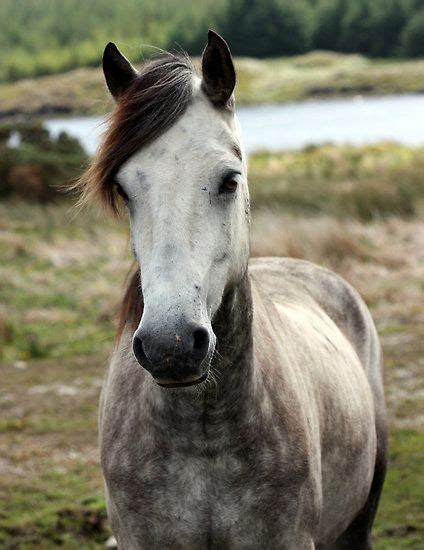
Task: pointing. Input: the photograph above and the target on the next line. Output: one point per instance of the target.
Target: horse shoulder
(281, 278)
(325, 354)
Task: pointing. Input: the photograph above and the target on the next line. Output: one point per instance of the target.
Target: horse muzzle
(175, 356)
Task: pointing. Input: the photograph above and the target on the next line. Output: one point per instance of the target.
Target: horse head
(174, 153)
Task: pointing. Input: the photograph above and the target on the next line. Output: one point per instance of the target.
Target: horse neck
(233, 329)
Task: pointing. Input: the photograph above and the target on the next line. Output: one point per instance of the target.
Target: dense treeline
(47, 36)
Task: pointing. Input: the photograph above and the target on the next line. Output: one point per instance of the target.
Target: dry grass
(394, 248)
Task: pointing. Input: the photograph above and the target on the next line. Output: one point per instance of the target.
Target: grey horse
(243, 407)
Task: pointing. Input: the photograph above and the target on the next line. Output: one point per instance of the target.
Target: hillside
(39, 37)
(312, 75)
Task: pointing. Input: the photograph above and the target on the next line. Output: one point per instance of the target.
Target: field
(61, 279)
(312, 75)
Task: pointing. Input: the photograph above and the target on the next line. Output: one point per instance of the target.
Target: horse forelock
(153, 103)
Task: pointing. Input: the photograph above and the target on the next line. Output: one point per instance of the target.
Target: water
(356, 121)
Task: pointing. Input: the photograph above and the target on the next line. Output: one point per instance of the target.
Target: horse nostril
(200, 343)
(139, 351)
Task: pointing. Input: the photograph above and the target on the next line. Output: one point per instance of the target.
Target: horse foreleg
(358, 535)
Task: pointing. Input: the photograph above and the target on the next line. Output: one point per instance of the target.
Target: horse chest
(211, 498)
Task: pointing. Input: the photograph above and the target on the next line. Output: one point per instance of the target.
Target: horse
(243, 406)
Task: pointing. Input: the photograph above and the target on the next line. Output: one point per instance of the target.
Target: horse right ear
(118, 71)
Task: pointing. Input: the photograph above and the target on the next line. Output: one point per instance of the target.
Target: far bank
(314, 75)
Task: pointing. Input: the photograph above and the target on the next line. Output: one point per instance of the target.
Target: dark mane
(152, 103)
(131, 308)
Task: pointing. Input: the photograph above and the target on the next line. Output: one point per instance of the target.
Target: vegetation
(368, 182)
(41, 37)
(311, 75)
(33, 165)
(265, 29)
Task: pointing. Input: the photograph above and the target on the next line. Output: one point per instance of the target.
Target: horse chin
(183, 384)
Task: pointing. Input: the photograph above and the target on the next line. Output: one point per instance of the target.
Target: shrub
(36, 165)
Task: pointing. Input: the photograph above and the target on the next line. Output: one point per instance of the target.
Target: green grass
(312, 75)
(52, 510)
(400, 520)
(50, 484)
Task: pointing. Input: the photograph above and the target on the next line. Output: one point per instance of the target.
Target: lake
(357, 121)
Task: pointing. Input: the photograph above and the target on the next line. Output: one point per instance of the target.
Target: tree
(413, 36)
(327, 27)
(387, 20)
(355, 28)
(263, 29)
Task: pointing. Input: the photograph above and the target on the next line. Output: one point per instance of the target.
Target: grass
(324, 74)
(312, 75)
(403, 495)
(51, 491)
(361, 182)
(57, 276)
(60, 282)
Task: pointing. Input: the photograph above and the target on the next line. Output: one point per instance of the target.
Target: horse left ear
(219, 75)
(118, 71)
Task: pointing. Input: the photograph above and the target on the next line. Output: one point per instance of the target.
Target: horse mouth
(182, 384)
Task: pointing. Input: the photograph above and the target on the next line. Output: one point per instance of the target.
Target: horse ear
(219, 75)
(118, 71)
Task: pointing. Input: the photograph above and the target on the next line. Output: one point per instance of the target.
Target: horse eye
(229, 185)
(122, 193)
